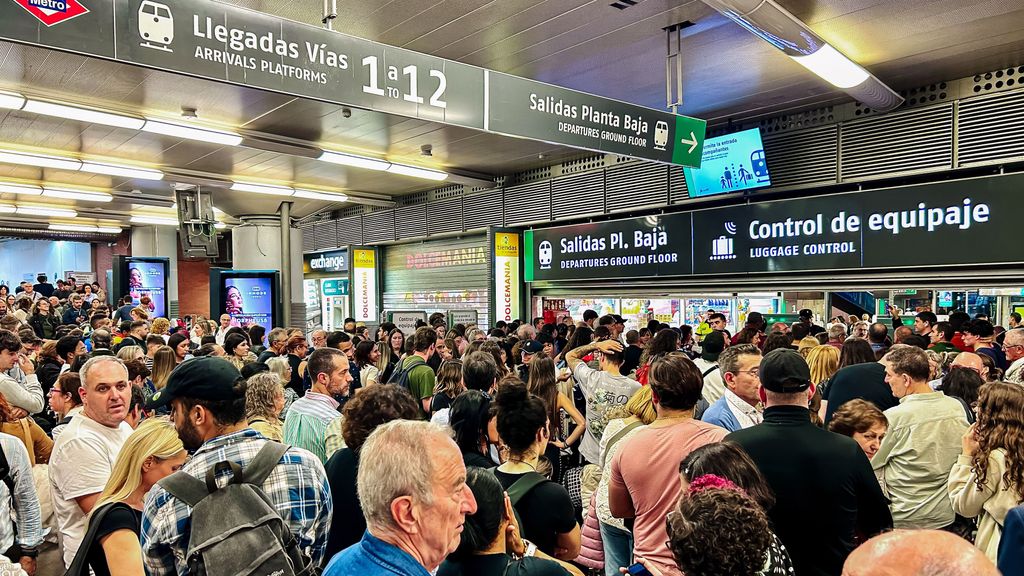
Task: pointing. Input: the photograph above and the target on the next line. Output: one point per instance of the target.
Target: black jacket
(45, 327)
(48, 371)
(825, 491)
(860, 381)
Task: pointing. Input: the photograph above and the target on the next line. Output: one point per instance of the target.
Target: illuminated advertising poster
(249, 300)
(364, 284)
(507, 276)
(148, 279)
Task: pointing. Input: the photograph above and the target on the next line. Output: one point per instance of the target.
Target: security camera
(346, 112)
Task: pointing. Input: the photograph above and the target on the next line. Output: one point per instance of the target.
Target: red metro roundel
(52, 12)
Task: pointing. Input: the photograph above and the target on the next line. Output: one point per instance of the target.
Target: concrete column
(286, 260)
(159, 241)
(256, 245)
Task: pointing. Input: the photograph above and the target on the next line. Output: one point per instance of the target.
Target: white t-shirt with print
(603, 391)
(80, 464)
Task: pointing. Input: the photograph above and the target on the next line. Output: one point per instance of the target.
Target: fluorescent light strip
(81, 228)
(44, 211)
(21, 189)
(11, 100)
(354, 161)
(262, 189)
(220, 225)
(833, 66)
(121, 170)
(83, 114)
(41, 160)
(85, 195)
(154, 220)
(7, 209)
(315, 195)
(191, 132)
(417, 172)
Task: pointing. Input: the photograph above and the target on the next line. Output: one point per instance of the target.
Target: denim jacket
(372, 556)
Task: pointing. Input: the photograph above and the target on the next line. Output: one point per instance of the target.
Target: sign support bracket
(674, 65)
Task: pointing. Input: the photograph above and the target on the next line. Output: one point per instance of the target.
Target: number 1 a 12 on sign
(404, 83)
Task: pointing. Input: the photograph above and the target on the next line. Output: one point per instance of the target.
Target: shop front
(445, 275)
(777, 257)
(326, 289)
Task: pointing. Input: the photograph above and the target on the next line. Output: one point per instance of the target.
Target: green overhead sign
(226, 43)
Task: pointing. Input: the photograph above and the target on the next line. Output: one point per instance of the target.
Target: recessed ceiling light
(83, 114)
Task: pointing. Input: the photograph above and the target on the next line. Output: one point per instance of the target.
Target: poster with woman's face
(249, 301)
(148, 279)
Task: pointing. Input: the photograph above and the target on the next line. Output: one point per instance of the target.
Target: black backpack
(400, 377)
(236, 531)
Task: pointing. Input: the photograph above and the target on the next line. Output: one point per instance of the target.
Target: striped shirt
(297, 488)
(307, 420)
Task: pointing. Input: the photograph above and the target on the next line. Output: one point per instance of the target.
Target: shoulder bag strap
(709, 371)
(523, 485)
(80, 565)
(618, 436)
(185, 487)
(264, 462)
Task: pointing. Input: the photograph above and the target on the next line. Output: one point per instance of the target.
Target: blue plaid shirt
(297, 487)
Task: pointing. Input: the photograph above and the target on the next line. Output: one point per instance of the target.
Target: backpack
(400, 376)
(235, 529)
(521, 487)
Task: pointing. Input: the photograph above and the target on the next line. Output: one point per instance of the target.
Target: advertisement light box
(730, 163)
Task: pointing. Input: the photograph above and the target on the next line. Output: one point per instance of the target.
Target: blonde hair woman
(129, 353)
(164, 361)
(160, 327)
(823, 360)
(152, 452)
(805, 346)
(264, 400)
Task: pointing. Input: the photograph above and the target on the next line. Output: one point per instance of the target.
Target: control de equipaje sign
(226, 43)
(962, 222)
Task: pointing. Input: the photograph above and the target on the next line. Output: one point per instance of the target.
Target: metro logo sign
(52, 12)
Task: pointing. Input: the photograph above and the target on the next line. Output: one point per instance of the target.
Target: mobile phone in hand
(638, 569)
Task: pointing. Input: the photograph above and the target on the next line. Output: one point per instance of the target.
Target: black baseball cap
(806, 313)
(203, 378)
(531, 347)
(785, 371)
(618, 319)
(712, 345)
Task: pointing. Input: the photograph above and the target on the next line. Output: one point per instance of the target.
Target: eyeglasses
(753, 372)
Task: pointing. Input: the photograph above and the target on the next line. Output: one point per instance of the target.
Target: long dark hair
(855, 351)
(963, 383)
(581, 337)
(730, 461)
(482, 527)
(468, 417)
(663, 342)
(543, 384)
(520, 415)
(777, 340)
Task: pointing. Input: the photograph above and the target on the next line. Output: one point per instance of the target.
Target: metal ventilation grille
(307, 238)
(483, 209)
(578, 195)
(677, 191)
(991, 128)
(802, 157)
(350, 230)
(411, 221)
(325, 235)
(444, 216)
(893, 144)
(379, 226)
(528, 203)
(636, 185)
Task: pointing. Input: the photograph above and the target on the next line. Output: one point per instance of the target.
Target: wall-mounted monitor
(248, 296)
(142, 276)
(730, 163)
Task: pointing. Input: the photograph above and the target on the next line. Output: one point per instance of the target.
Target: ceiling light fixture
(262, 189)
(45, 211)
(41, 160)
(82, 228)
(83, 195)
(417, 172)
(191, 132)
(121, 170)
(154, 220)
(24, 189)
(354, 161)
(11, 100)
(220, 225)
(316, 195)
(775, 25)
(83, 114)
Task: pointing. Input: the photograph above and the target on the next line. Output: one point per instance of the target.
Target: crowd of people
(143, 446)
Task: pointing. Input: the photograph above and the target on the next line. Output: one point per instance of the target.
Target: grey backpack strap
(264, 462)
(185, 487)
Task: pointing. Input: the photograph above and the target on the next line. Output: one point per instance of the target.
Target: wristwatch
(531, 549)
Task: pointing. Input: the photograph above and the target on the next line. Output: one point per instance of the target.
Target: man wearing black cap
(807, 318)
(825, 491)
(528, 350)
(711, 348)
(207, 399)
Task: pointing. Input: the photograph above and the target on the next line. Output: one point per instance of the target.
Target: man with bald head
(918, 553)
(971, 361)
(1013, 347)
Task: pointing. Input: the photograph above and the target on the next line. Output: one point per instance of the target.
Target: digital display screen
(249, 300)
(730, 163)
(147, 278)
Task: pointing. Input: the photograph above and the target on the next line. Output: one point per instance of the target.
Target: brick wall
(103, 256)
